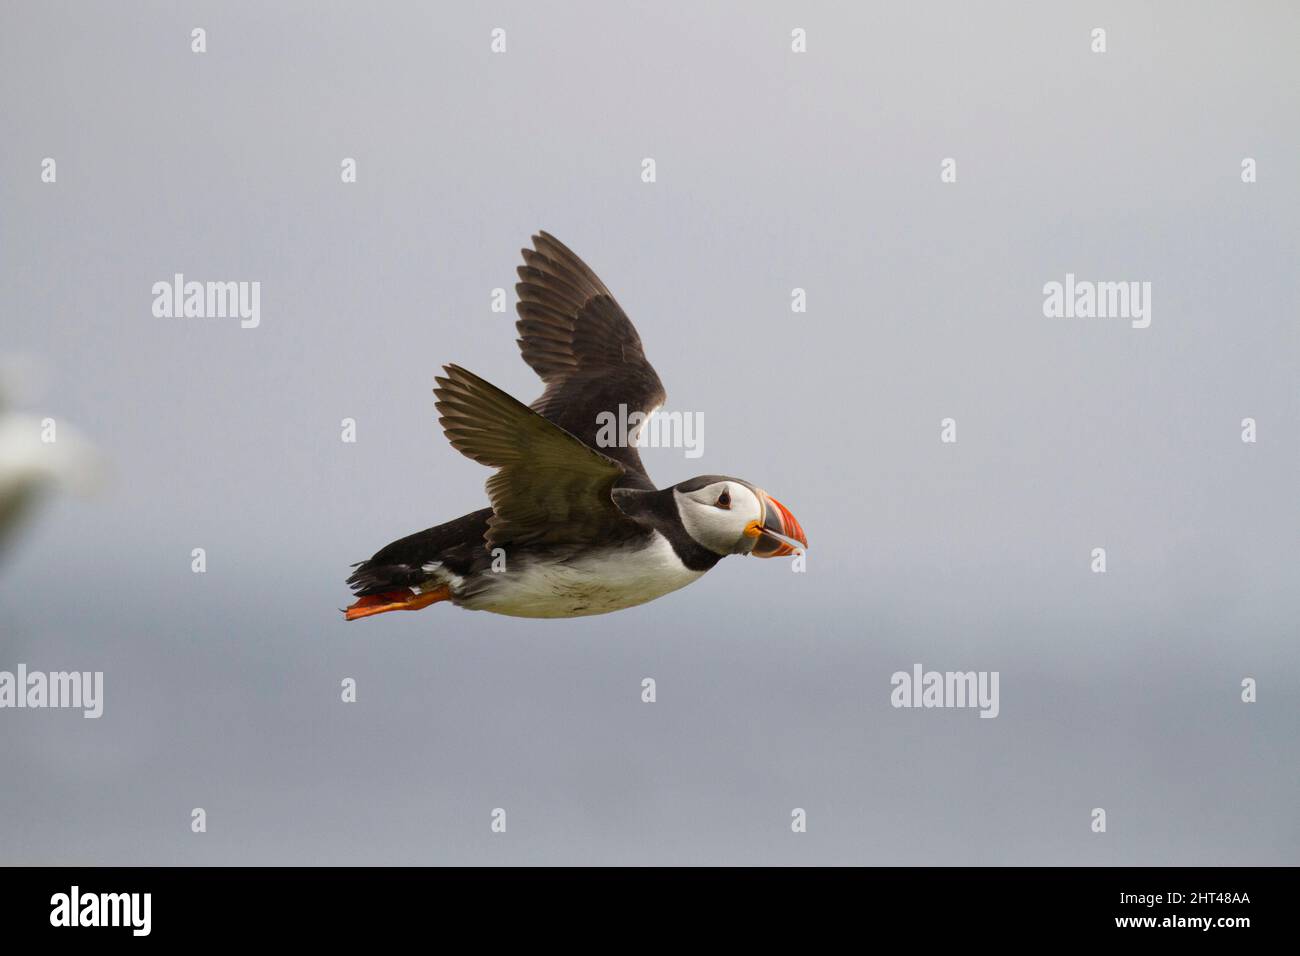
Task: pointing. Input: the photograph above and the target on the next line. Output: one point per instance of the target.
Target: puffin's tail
(413, 572)
(403, 600)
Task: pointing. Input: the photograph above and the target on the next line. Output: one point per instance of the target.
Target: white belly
(585, 585)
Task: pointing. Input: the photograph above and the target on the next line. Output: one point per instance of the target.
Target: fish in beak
(778, 533)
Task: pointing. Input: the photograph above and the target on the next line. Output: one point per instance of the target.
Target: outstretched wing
(582, 344)
(549, 488)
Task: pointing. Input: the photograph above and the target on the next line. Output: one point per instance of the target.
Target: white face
(716, 516)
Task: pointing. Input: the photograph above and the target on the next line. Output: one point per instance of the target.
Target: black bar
(204, 905)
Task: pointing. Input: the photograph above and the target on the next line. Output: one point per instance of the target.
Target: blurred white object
(31, 464)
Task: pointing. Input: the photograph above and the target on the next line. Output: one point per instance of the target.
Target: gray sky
(775, 170)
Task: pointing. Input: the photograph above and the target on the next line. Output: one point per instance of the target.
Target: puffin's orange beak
(779, 532)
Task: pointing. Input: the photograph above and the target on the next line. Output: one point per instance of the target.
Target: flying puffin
(576, 526)
(32, 463)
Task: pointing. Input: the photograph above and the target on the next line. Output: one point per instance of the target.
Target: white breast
(588, 584)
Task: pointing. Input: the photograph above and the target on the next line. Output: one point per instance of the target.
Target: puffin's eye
(724, 500)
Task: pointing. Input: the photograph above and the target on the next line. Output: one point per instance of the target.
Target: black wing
(582, 344)
(549, 488)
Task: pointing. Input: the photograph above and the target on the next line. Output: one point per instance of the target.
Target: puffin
(575, 525)
(32, 463)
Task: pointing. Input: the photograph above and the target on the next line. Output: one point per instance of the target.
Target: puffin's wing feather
(549, 487)
(582, 344)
